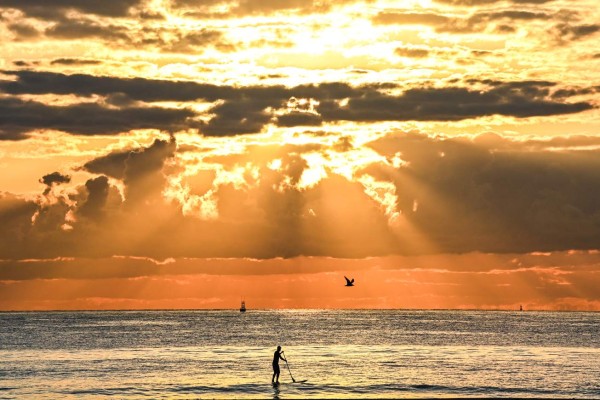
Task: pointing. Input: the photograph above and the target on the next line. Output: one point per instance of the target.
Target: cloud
(17, 117)
(489, 194)
(80, 29)
(487, 2)
(477, 22)
(410, 18)
(140, 170)
(23, 31)
(241, 8)
(515, 199)
(98, 191)
(411, 52)
(449, 104)
(15, 224)
(74, 61)
(566, 32)
(165, 39)
(55, 178)
(243, 110)
(40, 8)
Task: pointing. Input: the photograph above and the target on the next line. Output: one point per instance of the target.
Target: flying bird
(349, 282)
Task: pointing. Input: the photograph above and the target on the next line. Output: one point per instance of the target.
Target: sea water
(350, 353)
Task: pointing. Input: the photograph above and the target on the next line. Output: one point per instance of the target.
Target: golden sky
(187, 153)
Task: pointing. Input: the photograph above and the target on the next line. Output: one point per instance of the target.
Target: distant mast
(243, 306)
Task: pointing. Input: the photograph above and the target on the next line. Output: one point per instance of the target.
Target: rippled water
(226, 354)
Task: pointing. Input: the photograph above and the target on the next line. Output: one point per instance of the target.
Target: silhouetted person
(349, 282)
(276, 356)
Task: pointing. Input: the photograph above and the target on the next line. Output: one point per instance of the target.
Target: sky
(161, 154)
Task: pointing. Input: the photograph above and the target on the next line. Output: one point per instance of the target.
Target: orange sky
(186, 154)
(540, 281)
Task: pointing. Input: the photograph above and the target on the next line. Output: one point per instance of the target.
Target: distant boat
(243, 306)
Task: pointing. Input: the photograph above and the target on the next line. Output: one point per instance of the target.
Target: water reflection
(276, 392)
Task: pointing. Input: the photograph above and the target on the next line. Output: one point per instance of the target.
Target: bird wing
(348, 280)
(352, 281)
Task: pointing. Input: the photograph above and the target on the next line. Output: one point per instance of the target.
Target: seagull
(349, 282)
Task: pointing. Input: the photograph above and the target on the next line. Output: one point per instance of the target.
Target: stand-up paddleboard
(289, 383)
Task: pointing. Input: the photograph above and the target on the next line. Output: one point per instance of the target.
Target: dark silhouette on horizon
(349, 282)
(276, 356)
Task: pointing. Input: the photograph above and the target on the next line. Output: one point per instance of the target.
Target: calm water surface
(226, 354)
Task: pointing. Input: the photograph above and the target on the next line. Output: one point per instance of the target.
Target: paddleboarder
(276, 356)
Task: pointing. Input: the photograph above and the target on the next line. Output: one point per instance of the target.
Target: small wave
(127, 390)
(249, 388)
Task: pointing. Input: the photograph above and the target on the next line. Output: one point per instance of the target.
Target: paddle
(288, 367)
(290, 371)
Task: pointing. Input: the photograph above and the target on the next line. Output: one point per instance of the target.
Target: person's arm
(281, 356)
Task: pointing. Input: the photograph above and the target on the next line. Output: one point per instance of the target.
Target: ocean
(341, 354)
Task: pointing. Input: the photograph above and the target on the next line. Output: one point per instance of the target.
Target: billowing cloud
(445, 196)
(500, 199)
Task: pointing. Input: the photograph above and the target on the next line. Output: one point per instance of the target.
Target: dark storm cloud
(55, 178)
(17, 117)
(248, 109)
(55, 9)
